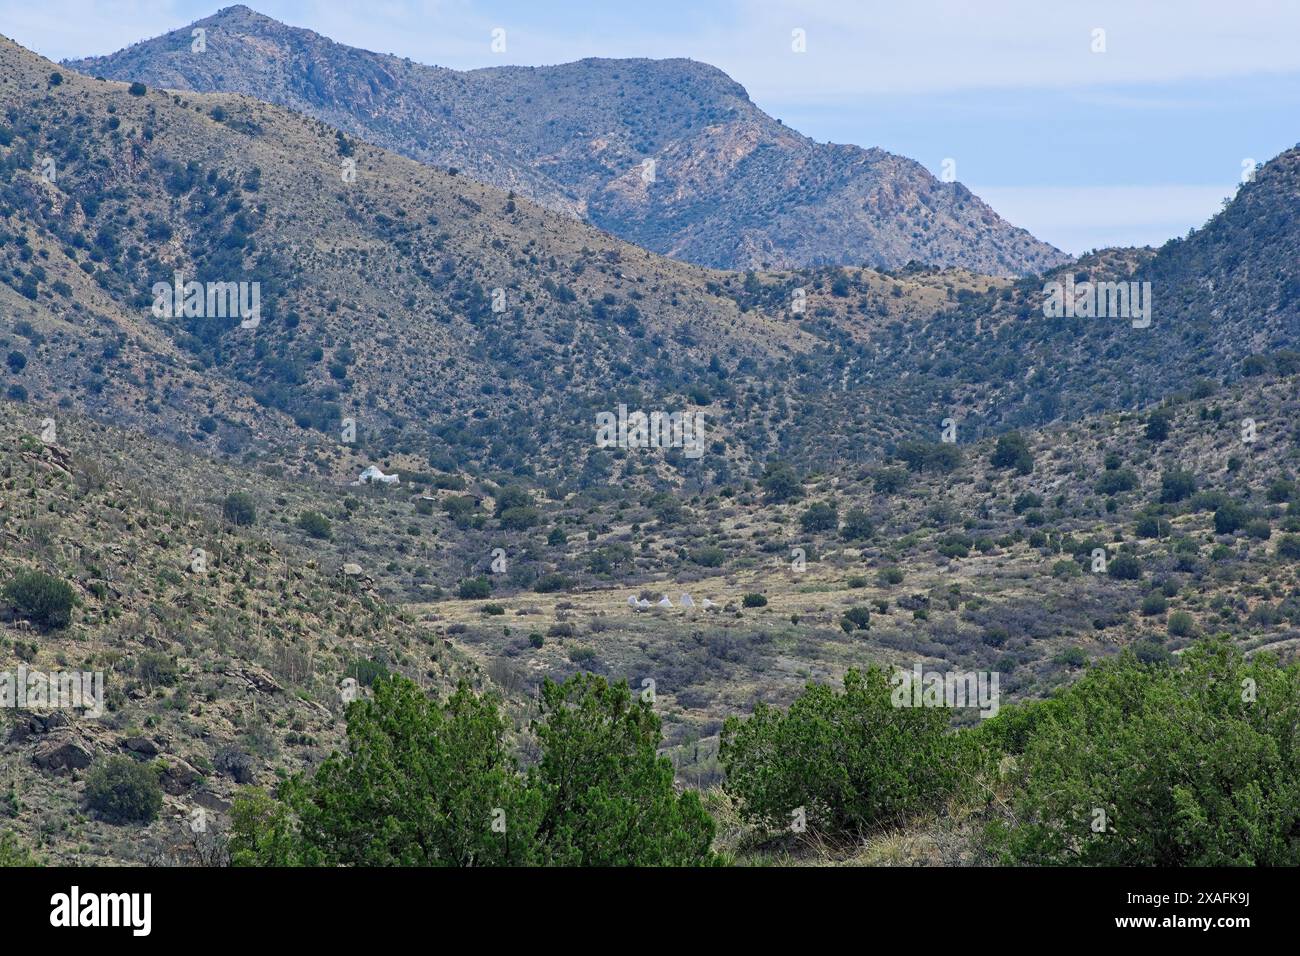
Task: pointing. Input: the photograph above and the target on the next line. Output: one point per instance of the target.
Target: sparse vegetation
(41, 598)
(122, 790)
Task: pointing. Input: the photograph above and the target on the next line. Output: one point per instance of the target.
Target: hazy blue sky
(1133, 145)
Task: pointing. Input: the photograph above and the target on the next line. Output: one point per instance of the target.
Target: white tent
(664, 602)
(707, 604)
(686, 600)
(373, 474)
(631, 600)
(643, 604)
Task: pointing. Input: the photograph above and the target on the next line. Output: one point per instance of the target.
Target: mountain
(1224, 304)
(732, 187)
(464, 329)
(453, 324)
(471, 337)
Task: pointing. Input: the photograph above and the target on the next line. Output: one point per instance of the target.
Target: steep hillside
(1225, 304)
(453, 324)
(377, 292)
(459, 327)
(977, 561)
(732, 187)
(224, 647)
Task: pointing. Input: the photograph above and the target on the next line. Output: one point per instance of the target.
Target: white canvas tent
(372, 475)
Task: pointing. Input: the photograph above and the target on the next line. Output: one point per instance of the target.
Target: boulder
(62, 754)
(35, 725)
(178, 777)
(211, 801)
(141, 745)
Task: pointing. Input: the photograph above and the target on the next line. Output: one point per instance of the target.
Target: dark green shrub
(12, 853)
(315, 524)
(1072, 657)
(858, 525)
(820, 516)
(889, 481)
(1181, 624)
(239, 509)
(41, 598)
(780, 483)
(955, 546)
(609, 796)
(520, 519)
(473, 589)
(1151, 526)
(856, 619)
(852, 760)
(550, 583)
(1125, 567)
(1117, 481)
(441, 779)
(157, 668)
(1230, 517)
(1177, 485)
(1157, 765)
(122, 790)
(890, 575)
(1012, 451)
(1026, 501)
(709, 556)
(1154, 603)
(1258, 528)
(1158, 424)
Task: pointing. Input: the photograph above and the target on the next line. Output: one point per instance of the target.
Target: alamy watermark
(212, 300)
(1099, 300)
(54, 690)
(683, 430)
(921, 688)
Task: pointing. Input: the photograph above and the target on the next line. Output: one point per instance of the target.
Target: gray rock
(61, 754)
(141, 745)
(36, 725)
(211, 801)
(178, 777)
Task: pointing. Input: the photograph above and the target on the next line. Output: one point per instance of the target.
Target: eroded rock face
(256, 678)
(178, 777)
(32, 725)
(141, 745)
(62, 754)
(211, 801)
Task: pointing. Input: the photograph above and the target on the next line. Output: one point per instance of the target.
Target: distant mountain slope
(454, 324)
(1225, 304)
(732, 187)
(464, 329)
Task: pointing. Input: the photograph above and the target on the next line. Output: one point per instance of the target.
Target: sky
(1128, 136)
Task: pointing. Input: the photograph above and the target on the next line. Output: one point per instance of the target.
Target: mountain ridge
(725, 170)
